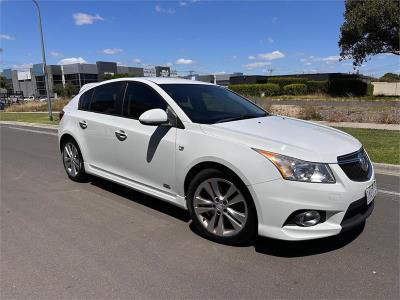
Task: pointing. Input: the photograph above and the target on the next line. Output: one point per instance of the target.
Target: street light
(46, 79)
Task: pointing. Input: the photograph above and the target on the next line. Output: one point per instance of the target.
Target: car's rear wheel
(73, 161)
(221, 207)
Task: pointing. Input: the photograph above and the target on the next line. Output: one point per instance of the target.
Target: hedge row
(300, 86)
(266, 89)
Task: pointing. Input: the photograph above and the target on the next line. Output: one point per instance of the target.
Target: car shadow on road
(306, 248)
(142, 199)
(262, 245)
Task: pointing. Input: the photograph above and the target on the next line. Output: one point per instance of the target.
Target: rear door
(98, 123)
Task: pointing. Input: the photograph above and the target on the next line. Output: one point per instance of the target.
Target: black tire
(80, 174)
(249, 227)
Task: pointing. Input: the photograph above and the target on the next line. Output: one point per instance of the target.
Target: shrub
(295, 89)
(348, 87)
(317, 86)
(282, 81)
(370, 89)
(268, 89)
(310, 113)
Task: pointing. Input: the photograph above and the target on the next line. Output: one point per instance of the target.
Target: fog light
(307, 218)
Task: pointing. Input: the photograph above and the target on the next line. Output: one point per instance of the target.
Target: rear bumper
(344, 203)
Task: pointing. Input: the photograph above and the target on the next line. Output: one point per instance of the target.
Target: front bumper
(276, 200)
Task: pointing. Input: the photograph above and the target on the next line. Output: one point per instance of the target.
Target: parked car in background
(238, 169)
(30, 98)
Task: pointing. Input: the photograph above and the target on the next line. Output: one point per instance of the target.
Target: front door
(147, 155)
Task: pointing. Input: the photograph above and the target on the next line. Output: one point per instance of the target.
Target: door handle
(83, 124)
(121, 135)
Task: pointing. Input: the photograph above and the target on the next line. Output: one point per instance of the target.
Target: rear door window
(107, 98)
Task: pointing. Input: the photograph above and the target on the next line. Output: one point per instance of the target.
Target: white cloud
(86, 19)
(270, 40)
(111, 51)
(56, 54)
(137, 60)
(257, 65)
(271, 56)
(22, 67)
(268, 56)
(183, 61)
(187, 2)
(307, 63)
(6, 37)
(161, 10)
(331, 59)
(72, 60)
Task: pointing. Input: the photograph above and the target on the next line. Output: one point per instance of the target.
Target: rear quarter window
(84, 100)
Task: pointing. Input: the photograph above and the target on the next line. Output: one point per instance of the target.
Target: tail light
(61, 114)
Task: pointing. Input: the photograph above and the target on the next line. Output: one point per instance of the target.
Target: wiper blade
(238, 118)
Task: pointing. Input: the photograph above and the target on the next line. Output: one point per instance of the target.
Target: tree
(370, 27)
(114, 76)
(59, 89)
(70, 89)
(4, 84)
(390, 77)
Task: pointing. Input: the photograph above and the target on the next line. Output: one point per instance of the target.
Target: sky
(254, 37)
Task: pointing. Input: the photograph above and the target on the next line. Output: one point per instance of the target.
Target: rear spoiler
(87, 86)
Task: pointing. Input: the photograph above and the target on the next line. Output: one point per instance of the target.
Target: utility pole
(46, 78)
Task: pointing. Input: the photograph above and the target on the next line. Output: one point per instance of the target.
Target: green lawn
(42, 118)
(383, 146)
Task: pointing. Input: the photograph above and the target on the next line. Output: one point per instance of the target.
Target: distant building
(220, 79)
(75, 74)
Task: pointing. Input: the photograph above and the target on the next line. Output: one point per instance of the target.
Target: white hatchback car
(238, 169)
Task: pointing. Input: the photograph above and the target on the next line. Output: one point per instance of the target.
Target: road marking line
(35, 131)
(389, 192)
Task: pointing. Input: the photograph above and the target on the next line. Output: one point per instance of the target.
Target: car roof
(169, 80)
(156, 80)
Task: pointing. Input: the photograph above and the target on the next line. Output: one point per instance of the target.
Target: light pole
(46, 79)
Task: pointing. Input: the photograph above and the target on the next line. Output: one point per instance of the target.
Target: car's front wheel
(221, 207)
(73, 161)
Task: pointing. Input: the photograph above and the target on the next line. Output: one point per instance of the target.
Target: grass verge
(383, 146)
(40, 118)
(35, 106)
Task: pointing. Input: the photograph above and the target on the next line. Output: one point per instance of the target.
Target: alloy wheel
(220, 207)
(71, 159)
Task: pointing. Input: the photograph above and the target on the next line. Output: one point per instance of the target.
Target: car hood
(292, 137)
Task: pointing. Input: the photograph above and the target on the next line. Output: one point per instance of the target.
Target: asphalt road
(61, 239)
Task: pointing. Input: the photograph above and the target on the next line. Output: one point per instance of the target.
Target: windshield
(209, 104)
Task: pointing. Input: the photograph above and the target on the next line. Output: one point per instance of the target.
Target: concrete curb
(385, 169)
(360, 125)
(36, 125)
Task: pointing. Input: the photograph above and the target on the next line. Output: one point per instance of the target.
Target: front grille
(356, 165)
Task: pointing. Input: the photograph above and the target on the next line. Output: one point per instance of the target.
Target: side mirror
(154, 117)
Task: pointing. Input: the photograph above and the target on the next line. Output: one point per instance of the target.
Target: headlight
(299, 170)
